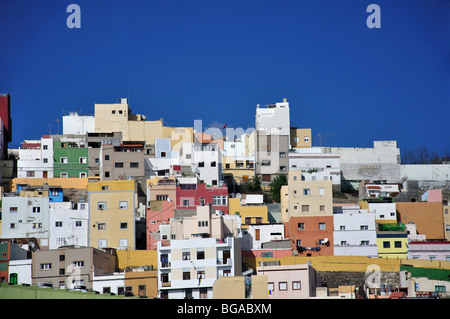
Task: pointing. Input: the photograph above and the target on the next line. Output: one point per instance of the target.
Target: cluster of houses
(121, 205)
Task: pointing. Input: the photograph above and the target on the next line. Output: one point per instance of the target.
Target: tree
(255, 184)
(275, 187)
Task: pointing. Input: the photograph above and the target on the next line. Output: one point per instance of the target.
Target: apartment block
(26, 216)
(70, 155)
(191, 193)
(36, 158)
(159, 212)
(112, 214)
(300, 138)
(311, 236)
(306, 198)
(122, 162)
(250, 208)
(68, 266)
(189, 268)
(272, 124)
(355, 232)
(162, 189)
(290, 281)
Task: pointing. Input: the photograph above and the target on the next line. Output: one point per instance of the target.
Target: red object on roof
(397, 295)
(31, 145)
(373, 187)
(177, 167)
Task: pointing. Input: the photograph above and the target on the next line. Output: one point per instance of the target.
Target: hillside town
(122, 206)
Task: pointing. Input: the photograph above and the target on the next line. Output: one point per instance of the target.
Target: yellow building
(240, 170)
(250, 208)
(112, 214)
(117, 117)
(301, 137)
(305, 198)
(392, 245)
(234, 287)
(76, 183)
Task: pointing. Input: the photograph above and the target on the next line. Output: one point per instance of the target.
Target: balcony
(166, 284)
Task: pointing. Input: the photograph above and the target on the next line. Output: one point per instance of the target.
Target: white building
(258, 234)
(78, 124)
(274, 119)
(22, 269)
(25, 217)
(36, 158)
(68, 224)
(107, 284)
(189, 268)
(354, 232)
(316, 165)
(384, 211)
(205, 160)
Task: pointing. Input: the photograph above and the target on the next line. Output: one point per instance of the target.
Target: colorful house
(70, 159)
(112, 214)
(251, 209)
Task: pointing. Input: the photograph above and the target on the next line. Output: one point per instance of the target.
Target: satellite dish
(325, 240)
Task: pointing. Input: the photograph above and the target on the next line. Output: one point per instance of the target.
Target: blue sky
(215, 60)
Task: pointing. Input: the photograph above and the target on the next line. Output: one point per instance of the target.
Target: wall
(134, 258)
(251, 212)
(428, 218)
(78, 124)
(138, 277)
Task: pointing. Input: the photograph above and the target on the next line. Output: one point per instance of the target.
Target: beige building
(117, 117)
(68, 267)
(306, 198)
(205, 223)
(121, 162)
(240, 287)
(112, 214)
(301, 137)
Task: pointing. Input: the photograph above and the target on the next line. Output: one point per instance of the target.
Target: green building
(70, 159)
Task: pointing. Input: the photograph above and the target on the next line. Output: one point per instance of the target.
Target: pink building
(158, 213)
(291, 281)
(191, 195)
(430, 250)
(432, 195)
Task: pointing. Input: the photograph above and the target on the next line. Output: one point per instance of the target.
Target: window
(305, 208)
(266, 177)
(282, 168)
(306, 139)
(386, 244)
(13, 209)
(185, 202)
(47, 266)
(282, 286)
(306, 191)
(322, 208)
(343, 243)
(321, 191)
(295, 207)
(301, 226)
(106, 174)
(134, 165)
(201, 164)
(106, 157)
(45, 147)
(322, 226)
(219, 200)
(78, 264)
(102, 243)
(123, 204)
(78, 223)
(123, 242)
(364, 227)
(62, 271)
(82, 206)
(62, 257)
(440, 288)
(162, 197)
(58, 224)
(186, 255)
(45, 160)
(364, 243)
(163, 154)
(265, 163)
(213, 164)
(36, 209)
(63, 160)
(83, 175)
(398, 244)
(296, 285)
(101, 205)
(200, 254)
(282, 154)
(63, 175)
(270, 287)
(201, 274)
(83, 160)
(118, 165)
(186, 275)
(105, 187)
(123, 225)
(299, 242)
(101, 226)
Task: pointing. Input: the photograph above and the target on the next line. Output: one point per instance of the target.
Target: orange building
(427, 216)
(311, 236)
